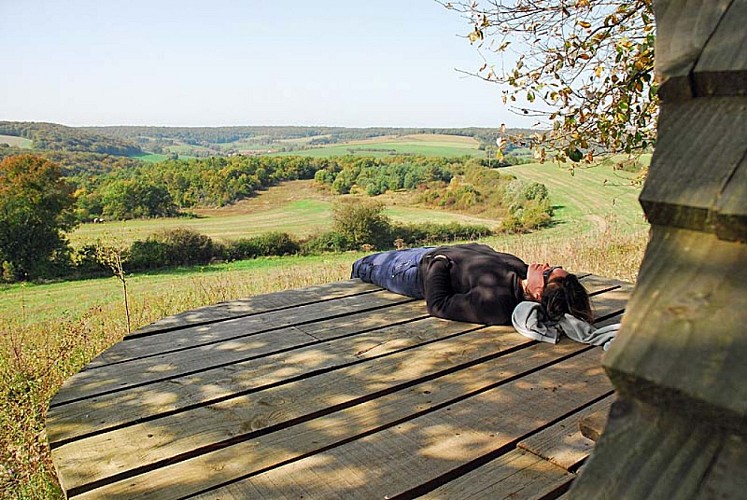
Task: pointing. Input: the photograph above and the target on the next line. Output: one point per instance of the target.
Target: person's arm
(475, 306)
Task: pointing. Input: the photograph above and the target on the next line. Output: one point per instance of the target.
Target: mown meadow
(48, 331)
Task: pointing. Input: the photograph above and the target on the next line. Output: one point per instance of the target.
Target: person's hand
(536, 281)
(443, 258)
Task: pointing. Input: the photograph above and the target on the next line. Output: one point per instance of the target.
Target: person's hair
(566, 295)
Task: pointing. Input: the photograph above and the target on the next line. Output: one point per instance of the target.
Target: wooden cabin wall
(679, 428)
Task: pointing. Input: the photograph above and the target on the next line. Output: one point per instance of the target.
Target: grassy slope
(19, 142)
(587, 197)
(294, 207)
(422, 144)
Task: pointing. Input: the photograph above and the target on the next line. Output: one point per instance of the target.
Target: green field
(422, 144)
(299, 217)
(588, 197)
(151, 157)
(18, 142)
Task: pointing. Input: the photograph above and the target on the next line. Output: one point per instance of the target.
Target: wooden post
(679, 365)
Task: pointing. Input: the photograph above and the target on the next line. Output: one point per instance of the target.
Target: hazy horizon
(355, 64)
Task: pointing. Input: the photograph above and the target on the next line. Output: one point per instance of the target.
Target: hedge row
(184, 247)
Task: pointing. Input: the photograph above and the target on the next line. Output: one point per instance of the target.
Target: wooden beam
(677, 53)
(682, 343)
(731, 222)
(696, 173)
(648, 452)
(722, 67)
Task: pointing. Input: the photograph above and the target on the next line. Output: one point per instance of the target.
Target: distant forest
(54, 137)
(325, 135)
(85, 148)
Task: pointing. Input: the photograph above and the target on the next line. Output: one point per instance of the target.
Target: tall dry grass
(37, 357)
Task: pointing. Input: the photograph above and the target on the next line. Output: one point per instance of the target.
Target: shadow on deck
(341, 390)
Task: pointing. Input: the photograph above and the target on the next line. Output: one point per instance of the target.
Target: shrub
(362, 222)
(430, 233)
(87, 262)
(274, 243)
(173, 247)
(330, 241)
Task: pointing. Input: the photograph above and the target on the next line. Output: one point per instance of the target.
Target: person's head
(563, 293)
(558, 291)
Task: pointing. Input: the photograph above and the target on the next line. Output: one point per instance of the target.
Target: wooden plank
(694, 164)
(195, 328)
(257, 304)
(592, 426)
(646, 452)
(234, 341)
(430, 449)
(266, 450)
(682, 344)
(611, 303)
(202, 375)
(517, 474)
(88, 416)
(595, 285)
(194, 336)
(722, 67)
(563, 444)
(147, 443)
(683, 27)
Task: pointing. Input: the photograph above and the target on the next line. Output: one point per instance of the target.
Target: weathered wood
(722, 67)
(592, 425)
(255, 395)
(208, 373)
(148, 443)
(683, 27)
(563, 443)
(646, 452)
(697, 167)
(172, 395)
(727, 478)
(257, 304)
(98, 379)
(291, 443)
(227, 342)
(517, 474)
(682, 343)
(429, 448)
(731, 222)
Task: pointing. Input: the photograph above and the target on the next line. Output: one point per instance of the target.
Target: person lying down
(474, 283)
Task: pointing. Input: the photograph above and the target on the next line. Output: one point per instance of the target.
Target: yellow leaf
(599, 71)
(584, 24)
(475, 35)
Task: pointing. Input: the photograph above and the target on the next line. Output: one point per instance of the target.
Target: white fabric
(529, 321)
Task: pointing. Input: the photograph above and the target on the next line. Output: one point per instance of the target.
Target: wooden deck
(336, 391)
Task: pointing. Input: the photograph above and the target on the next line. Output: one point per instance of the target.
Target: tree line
(38, 204)
(206, 136)
(55, 137)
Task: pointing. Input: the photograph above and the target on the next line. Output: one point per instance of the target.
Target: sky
(348, 63)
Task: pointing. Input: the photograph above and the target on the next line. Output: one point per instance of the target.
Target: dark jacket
(474, 283)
